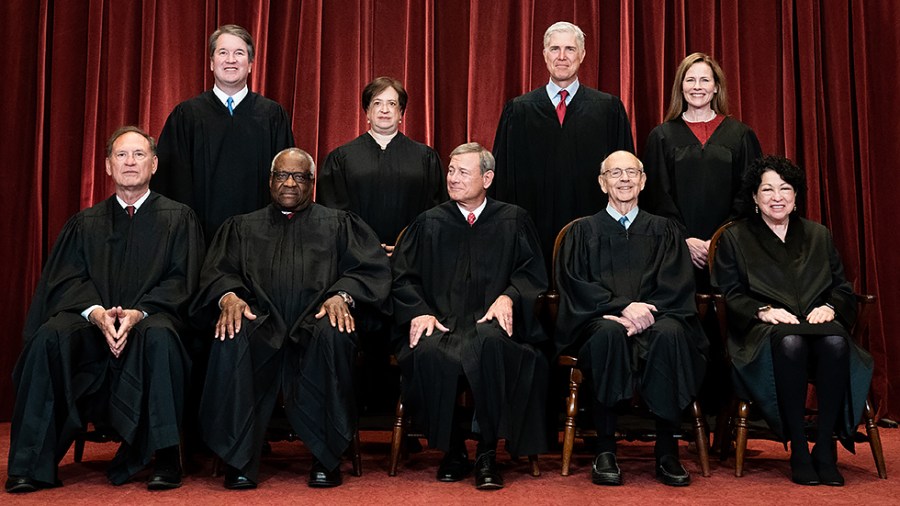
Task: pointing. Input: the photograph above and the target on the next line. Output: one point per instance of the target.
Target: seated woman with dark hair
(789, 311)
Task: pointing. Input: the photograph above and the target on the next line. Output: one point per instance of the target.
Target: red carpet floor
(283, 480)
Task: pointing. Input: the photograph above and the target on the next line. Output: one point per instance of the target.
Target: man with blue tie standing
(215, 149)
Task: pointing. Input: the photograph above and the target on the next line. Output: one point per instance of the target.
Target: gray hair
(304, 154)
(485, 157)
(565, 26)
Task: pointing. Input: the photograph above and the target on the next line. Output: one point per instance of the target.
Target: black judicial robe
(696, 184)
(216, 163)
(551, 170)
(66, 375)
(285, 269)
(444, 267)
(386, 188)
(753, 268)
(601, 269)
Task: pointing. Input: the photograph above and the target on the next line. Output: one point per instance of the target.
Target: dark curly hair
(786, 169)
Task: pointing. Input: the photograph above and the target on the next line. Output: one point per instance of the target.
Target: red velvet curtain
(816, 80)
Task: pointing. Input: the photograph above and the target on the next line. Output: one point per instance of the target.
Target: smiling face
(131, 163)
(289, 195)
(622, 190)
(466, 185)
(384, 112)
(775, 198)
(563, 57)
(230, 63)
(699, 86)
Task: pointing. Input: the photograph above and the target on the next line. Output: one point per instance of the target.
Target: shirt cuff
(223, 296)
(86, 314)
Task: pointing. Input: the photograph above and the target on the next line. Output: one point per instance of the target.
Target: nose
(290, 182)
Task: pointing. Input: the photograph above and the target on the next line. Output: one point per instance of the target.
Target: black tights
(791, 356)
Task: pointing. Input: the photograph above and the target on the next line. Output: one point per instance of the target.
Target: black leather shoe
(24, 485)
(235, 480)
(165, 478)
(166, 470)
(487, 477)
(320, 477)
(605, 470)
(454, 467)
(669, 471)
(828, 474)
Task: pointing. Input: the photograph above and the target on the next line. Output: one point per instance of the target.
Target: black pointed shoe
(319, 477)
(487, 477)
(669, 471)
(605, 470)
(236, 480)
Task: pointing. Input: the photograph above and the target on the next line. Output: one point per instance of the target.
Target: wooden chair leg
(875, 441)
(571, 413)
(701, 437)
(397, 436)
(535, 468)
(357, 457)
(740, 433)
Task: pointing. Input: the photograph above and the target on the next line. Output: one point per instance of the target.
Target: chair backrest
(547, 306)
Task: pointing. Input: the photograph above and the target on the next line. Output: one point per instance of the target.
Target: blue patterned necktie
(622, 221)
(230, 103)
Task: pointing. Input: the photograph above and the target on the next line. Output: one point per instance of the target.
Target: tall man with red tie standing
(551, 140)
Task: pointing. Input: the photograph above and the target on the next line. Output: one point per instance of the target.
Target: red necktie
(471, 219)
(130, 210)
(561, 107)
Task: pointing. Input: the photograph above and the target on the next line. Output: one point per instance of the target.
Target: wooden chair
(571, 431)
(738, 426)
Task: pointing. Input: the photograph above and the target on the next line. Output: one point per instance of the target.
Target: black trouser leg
(605, 423)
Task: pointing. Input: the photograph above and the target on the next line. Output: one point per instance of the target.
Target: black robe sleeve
(174, 176)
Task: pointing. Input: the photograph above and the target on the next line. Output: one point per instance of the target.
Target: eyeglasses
(617, 173)
(299, 177)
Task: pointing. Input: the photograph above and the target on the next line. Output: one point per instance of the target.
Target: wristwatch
(347, 298)
(763, 309)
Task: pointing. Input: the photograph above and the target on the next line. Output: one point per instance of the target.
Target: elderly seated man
(467, 274)
(282, 284)
(627, 311)
(103, 335)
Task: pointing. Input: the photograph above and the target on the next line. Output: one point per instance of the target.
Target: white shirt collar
(137, 204)
(553, 90)
(383, 140)
(223, 97)
(477, 210)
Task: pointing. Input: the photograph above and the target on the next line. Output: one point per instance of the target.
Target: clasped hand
(636, 317)
(108, 319)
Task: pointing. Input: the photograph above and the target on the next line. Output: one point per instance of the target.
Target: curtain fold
(816, 81)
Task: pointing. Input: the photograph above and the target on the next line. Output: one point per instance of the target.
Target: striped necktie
(230, 103)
